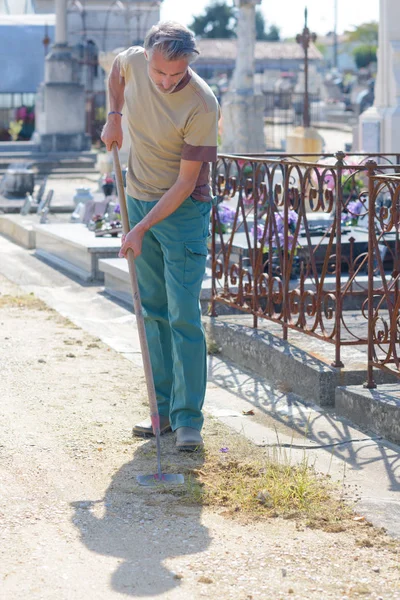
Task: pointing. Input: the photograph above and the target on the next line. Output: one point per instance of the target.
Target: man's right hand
(112, 132)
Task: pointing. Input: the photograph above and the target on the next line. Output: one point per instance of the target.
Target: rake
(159, 477)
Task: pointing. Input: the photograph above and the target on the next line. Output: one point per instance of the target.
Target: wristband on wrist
(114, 112)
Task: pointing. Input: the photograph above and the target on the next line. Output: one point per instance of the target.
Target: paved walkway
(332, 444)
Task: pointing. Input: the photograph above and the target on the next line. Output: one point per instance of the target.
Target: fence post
(371, 166)
(213, 312)
(255, 259)
(286, 275)
(338, 287)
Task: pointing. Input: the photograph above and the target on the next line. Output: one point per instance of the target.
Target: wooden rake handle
(135, 289)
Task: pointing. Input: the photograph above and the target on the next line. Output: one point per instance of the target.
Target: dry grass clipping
(28, 301)
(244, 481)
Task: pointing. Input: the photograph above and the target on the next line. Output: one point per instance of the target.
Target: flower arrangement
(352, 182)
(96, 222)
(226, 217)
(277, 243)
(354, 209)
(24, 124)
(278, 232)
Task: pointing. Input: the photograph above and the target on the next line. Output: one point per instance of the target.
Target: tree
(367, 33)
(272, 35)
(364, 55)
(218, 21)
(366, 38)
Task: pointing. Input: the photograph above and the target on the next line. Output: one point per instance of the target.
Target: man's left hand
(132, 240)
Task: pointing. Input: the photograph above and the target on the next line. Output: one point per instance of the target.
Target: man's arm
(168, 203)
(112, 130)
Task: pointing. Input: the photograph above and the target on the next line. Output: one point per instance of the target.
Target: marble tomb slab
(74, 249)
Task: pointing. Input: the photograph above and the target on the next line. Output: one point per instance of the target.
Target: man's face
(165, 74)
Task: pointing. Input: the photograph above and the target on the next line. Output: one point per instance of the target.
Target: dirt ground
(75, 525)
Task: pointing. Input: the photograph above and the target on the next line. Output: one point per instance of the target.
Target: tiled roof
(213, 49)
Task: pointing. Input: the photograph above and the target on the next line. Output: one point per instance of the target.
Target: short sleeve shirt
(165, 128)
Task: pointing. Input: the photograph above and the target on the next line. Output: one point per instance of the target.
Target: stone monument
(379, 126)
(60, 106)
(242, 109)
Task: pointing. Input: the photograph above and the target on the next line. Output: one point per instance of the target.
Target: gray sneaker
(188, 439)
(144, 428)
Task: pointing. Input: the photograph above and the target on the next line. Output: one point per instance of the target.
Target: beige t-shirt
(164, 128)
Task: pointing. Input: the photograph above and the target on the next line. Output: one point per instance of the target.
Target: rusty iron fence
(383, 308)
(307, 244)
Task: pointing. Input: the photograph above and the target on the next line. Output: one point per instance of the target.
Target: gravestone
(379, 126)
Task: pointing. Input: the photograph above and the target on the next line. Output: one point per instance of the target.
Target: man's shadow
(145, 526)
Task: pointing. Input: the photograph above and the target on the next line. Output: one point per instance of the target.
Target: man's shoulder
(131, 55)
(203, 91)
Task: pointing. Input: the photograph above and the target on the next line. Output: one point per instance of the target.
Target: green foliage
(219, 21)
(322, 48)
(351, 186)
(272, 35)
(364, 55)
(367, 33)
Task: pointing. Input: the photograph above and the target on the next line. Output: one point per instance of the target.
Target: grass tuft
(243, 480)
(28, 301)
(212, 347)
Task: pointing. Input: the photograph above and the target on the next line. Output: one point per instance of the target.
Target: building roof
(214, 49)
(329, 40)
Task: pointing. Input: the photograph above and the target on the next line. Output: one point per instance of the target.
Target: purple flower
(117, 209)
(355, 208)
(260, 231)
(224, 450)
(279, 223)
(226, 214)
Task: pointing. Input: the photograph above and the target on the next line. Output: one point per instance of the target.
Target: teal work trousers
(170, 272)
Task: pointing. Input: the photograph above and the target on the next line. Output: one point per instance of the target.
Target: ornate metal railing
(383, 309)
(291, 242)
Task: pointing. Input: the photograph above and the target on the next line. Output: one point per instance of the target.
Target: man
(173, 122)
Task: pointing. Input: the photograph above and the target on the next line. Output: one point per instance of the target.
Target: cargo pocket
(195, 264)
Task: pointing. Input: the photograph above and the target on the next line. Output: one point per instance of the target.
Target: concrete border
(283, 362)
(19, 230)
(75, 249)
(377, 410)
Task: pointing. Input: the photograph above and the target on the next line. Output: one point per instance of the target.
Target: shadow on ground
(315, 426)
(142, 527)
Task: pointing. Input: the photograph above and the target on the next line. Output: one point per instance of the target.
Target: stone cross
(304, 39)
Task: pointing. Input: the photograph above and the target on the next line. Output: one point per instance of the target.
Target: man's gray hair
(173, 40)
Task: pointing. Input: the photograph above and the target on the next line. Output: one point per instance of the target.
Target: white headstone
(380, 125)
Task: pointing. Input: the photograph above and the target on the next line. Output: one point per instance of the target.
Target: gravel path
(73, 522)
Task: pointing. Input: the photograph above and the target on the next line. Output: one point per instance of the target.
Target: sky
(288, 15)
